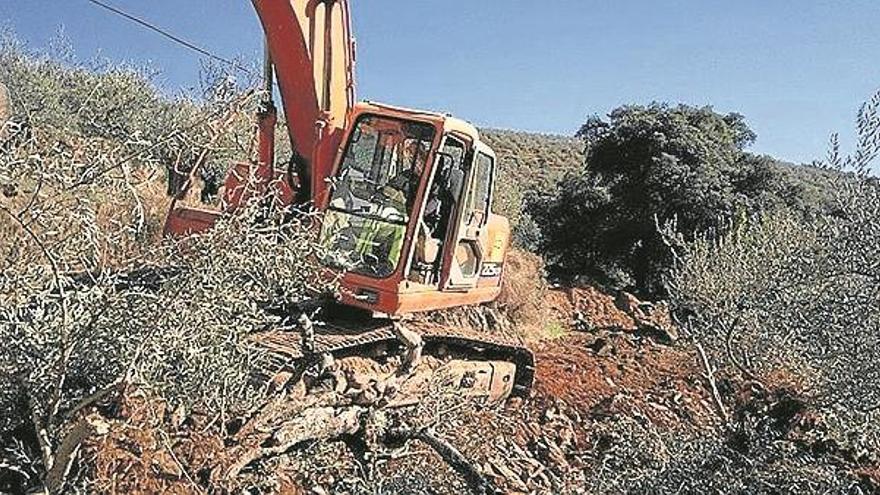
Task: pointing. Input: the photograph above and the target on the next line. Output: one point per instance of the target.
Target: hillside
(529, 162)
(535, 156)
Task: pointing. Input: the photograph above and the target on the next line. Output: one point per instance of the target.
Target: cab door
(464, 252)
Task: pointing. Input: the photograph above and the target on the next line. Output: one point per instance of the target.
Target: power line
(170, 36)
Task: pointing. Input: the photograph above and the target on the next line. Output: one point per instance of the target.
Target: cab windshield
(373, 193)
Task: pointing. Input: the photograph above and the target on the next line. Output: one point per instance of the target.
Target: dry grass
(523, 291)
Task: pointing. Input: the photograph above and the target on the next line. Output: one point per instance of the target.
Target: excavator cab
(406, 195)
(408, 213)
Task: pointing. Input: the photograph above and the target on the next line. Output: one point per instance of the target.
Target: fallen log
(333, 410)
(315, 423)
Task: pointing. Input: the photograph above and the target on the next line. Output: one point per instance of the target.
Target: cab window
(373, 193)
(478, 200)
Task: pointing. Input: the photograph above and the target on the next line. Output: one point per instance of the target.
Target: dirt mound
(591, 310)
(597, 375)
(146, 450)
(588, 308)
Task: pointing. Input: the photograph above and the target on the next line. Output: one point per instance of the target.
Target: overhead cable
(169, 35)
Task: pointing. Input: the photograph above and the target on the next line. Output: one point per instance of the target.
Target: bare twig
(42, 436)
(167, 444)
(709, 374)
(728, 343)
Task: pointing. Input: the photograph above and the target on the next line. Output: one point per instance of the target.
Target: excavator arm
(309, 44)
(310, 51)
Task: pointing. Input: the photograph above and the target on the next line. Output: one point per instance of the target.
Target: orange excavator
(404, 200)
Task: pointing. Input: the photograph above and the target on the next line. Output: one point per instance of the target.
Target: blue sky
(797, 69)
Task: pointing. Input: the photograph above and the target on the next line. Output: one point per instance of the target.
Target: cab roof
(448, 122)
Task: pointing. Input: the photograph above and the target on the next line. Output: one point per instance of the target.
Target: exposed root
(315, 423)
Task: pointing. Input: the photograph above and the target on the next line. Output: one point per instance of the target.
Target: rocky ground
(598, 361)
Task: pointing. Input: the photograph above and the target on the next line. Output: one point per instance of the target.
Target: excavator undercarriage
(474, 362)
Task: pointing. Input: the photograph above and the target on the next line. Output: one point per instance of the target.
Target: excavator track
(287, 349)
(358, 335)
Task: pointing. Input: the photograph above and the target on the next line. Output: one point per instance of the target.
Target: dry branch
(709, 374)
(4, 106)
(315, 423)
(66, 453)
(452, 456)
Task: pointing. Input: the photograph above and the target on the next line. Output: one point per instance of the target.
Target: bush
(648, 165)
(789, 308)
(784, 296)
(90, 299)
(523, 290)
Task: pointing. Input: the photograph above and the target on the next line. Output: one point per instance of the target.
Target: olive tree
(782, 302)
(91, 299)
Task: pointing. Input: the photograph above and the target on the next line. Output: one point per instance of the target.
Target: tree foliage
(787, 302)
(119, 105)
(646, 165)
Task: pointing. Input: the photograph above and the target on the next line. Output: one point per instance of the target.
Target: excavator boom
(310, 45)
(409, 213)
